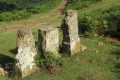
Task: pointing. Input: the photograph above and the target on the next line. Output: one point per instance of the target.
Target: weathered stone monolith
(26, 52)
(49, 39)
(71, 40)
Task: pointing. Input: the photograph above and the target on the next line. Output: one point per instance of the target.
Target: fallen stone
(49, 39)
(26, 52)
(83, 48)
(3, 72)
(71, 40)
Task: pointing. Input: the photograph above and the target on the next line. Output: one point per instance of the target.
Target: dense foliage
(46, 59)
(17, 10)
(79, 4)
(101, 22)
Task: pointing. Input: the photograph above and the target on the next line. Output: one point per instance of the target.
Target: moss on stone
(28, 71)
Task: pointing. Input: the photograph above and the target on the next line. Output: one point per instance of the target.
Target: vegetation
(9, 12)
(95, 63)
(99, 21)
(89, 64)
(46, 59)
(79, 4)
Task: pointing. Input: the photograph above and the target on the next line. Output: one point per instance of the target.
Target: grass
(90, 65)
(104, 65)
(101, 5)
(36, 18)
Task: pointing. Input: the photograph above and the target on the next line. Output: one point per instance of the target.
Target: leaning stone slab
(71, 40)
(26, 52)
(49, 39)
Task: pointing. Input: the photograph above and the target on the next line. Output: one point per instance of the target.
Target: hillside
(95, 63)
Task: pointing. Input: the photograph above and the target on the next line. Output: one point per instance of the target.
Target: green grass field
(87, 65)
(90, 65)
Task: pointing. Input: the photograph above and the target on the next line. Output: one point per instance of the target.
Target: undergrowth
(79, 4)
(9, 12)
(101, 22)
(47, 58)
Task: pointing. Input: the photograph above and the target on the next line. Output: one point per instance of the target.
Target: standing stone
(71, 40)
(26, 52)
(49, 39)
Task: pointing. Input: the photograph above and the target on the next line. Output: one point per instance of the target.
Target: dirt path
(58, 10)
(55, 13)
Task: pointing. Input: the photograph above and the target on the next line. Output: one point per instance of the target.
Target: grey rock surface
(49, 39)
(71, 40)
(26, 52)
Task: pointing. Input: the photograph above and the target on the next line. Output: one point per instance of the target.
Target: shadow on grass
(14, 51)
(5, 59)
(117, 52)
(118, 66)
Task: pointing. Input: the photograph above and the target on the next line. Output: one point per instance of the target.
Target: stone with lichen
(71, 40)
(49, 39)
(26, 52)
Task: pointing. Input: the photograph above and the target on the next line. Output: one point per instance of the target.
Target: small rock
(2, 72)
(83, 48)
(96, 51)
(100, 43)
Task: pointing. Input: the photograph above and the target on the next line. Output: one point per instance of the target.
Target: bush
(101, 22)
(42, 7)
(14, 15)
(23, 14)
(46, 58)
(6, 16)
(78, 4)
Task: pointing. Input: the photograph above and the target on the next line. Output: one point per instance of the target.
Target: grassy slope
(88, 64)
(102, 5)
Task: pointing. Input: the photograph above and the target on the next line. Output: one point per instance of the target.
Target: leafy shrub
(42, 7)
(6, 16)
(78, 4)
(22, 14)
(16, 12)
(46, 58)
(101, 22)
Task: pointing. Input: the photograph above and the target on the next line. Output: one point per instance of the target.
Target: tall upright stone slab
(71, 40)
(26, 52)
(49, 39)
